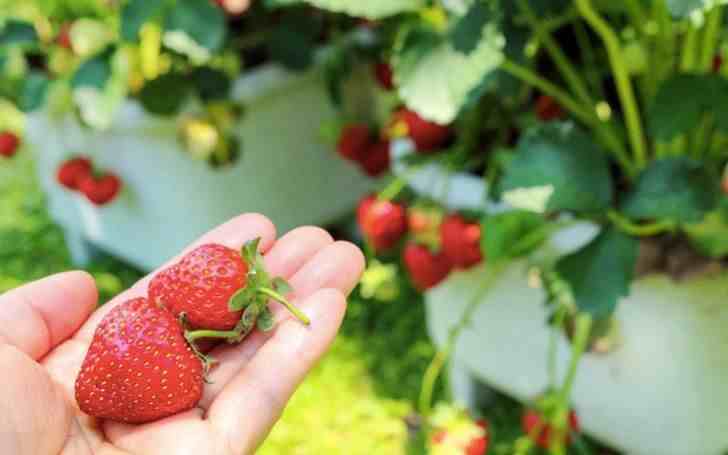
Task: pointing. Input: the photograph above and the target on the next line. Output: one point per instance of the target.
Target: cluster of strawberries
(78, 174)
(9, 143)
(144, 364)
(358, 142)
(436, 246)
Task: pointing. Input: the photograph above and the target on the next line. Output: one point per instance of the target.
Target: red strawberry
(547, 109)
(139, 368)
(383, 74)
(220, 289)
(354, 141)
(9, 143)
(534, 426)
(426, 269)
(383, 223)
(64, 36)
(376, 160)
(100, 190)
(464, 442)
(72, 171)
(428, 136)
(460, 241)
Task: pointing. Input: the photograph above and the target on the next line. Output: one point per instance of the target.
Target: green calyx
(252, 300)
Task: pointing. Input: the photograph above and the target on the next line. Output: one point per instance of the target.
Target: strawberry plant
(561, 112)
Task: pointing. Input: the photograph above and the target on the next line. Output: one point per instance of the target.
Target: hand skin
(46, 328)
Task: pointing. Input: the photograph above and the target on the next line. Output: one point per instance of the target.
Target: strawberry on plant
(9, 143)
(139, 368)
(535, 426)
(460, 241)
(354, 141)
(64, 36)
(547, 109)
(424, 223)
(383, 74)
(383, 223)
(71, 172)
(220, 292)
(426, 269)
(455, 432)
(428, 136)
(100, 190)
(375, 161)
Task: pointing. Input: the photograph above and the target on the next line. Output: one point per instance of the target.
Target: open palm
(46, 328)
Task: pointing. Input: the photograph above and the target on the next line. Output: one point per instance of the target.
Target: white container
(663, 391)
(285, 171)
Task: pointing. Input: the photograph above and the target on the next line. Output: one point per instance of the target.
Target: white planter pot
(285, 171)
(663, 391)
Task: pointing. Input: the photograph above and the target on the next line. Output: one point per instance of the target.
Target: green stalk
(438, 362)
(578, 346)
(640, 230)
(589, 57)
(687, 61)
(621, 75)
(562, 62)
(289, 306)
(710, 38)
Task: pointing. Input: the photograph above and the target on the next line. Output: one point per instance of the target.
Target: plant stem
(640, 230)
(438, 362)
(621, 75)
(581, 339)
(289, 306)
(589, 58)
(562, 62)
(687, 62)
(194, 335)
(710, 38)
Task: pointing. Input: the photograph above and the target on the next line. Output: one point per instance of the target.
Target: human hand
(46, 328)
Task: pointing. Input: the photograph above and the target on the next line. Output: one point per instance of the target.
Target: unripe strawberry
(383, 223)
(426, 269)
(460, 241)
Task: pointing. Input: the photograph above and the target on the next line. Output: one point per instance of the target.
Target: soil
(673, 256)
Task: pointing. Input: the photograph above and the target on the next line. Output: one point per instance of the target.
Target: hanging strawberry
(72, 171)
(102, 189)
(426, 269)
(9, 143)
(547, 109)
(428, 136)
(460, 241)
(383, 223)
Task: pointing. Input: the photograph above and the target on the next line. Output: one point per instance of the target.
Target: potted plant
(571, 229)
(179, 115)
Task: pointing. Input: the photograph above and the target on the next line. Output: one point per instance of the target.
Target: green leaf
(242, 299)
(601, 273)
(136, 13)
(371, 9)
(265, 321)
(423, 64)
(563, 159)
(682, 8)
(17, 32)
(467, 32)
(677, 189)
(200, 20)
(512, 234)
(679, 104)
(211, 84)
(94, 72)
(33, 91)
(710, 236)
(166, 94)
(293, 41)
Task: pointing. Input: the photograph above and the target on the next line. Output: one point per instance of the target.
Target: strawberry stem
(193, 335)
(289, 306)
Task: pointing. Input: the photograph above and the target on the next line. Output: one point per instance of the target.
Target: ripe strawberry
(71, 172)
(64, 36)
(9, 143)
(354, 142)
(460, 242)
(383, 223)
(428, 136)
(534, 426)
(220, 291)
(547, 109)
(426, 269)
(383, 74)
(139, 368)
(375, 162)
(100, 190)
